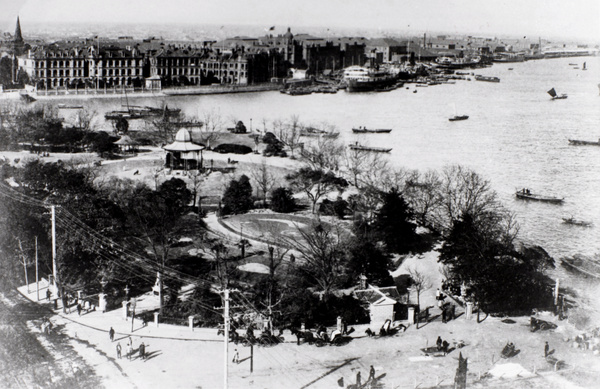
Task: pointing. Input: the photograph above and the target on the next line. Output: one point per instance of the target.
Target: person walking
(79, 309)
(438, 343)
(48, 294)
(371, 373)
(142, 351)
(118, 350)
(111, 334)
(358, 380)
(444, 319)
(236, 357)
(546, 350)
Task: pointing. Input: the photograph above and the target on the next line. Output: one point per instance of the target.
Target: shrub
(226, 148)
(282, 200)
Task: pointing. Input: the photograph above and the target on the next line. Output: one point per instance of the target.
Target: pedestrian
(546, 349)
(358, 380)
(111, 334)
(443, 315)
(437, 294)
(129, 341)
(79, 309)
(142, 351)
(48, 294)
(129, 352)
(371, 373)
(236, 357)
(445, 345)
(118, 350)
(438, 343)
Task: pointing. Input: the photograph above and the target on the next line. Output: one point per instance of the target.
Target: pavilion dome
(183, 135)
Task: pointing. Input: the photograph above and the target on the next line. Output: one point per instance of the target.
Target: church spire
(18, 36)
(18, 43)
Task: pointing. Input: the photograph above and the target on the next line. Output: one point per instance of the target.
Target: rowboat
(576, 222)
(576, 142)
(486, 78)
(363, 130)
(525, 194)
(458, 117)
(357, 146)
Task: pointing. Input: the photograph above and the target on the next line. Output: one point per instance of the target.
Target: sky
(533, 18)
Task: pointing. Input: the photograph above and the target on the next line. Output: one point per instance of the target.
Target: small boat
(357, 146)
(576, 142)
(525, 194)
(572, 64)
(510, 68)
(458, 117)
(555, 96)
(315, 132)
(582, 265)
(363, 130)
(486, 78)
(65, 106)
(571, 220)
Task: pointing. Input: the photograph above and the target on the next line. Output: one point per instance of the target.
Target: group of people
(442, 345)
(129, 351)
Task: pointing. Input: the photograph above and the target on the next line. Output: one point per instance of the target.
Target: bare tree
(423, 194)
(322, 251)
(360, 165)
(289, 132)
(324, 154)
(463, 192)
(85, 118)
(264, 179)
(420, 283)
(213, 123)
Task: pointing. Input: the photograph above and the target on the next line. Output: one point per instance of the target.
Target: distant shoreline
(177, 91)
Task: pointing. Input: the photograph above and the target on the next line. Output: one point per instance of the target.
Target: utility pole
(37, 283)
(226, 329)
(54, 275)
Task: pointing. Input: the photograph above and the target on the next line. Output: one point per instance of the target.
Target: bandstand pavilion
(183, 154)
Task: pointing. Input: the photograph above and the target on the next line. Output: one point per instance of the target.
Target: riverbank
(115, 92)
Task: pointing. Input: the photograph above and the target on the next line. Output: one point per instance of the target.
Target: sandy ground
(182, 358)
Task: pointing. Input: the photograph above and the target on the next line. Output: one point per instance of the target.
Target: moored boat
(479, 77)
(357, 146)
(458, 117)
(525, 194)
(65, 106)
(363, 130)
(582, 265)
(576, 222)
(576, 142)
(362, 79)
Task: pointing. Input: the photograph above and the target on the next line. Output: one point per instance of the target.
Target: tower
(18, 43)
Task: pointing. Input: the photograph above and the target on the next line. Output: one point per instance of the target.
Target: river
(515, 135)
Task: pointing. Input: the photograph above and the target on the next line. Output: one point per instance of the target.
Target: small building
(127, 145)
(183, 154)
(153, 83)
(383, 303)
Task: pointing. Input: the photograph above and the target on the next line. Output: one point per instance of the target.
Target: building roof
(375, 295)
(125, 140)
(183, 142)
(384, 42)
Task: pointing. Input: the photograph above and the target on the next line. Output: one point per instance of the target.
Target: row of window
(81, 63)
(204, 65)
(196, 72)
(80, 73)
